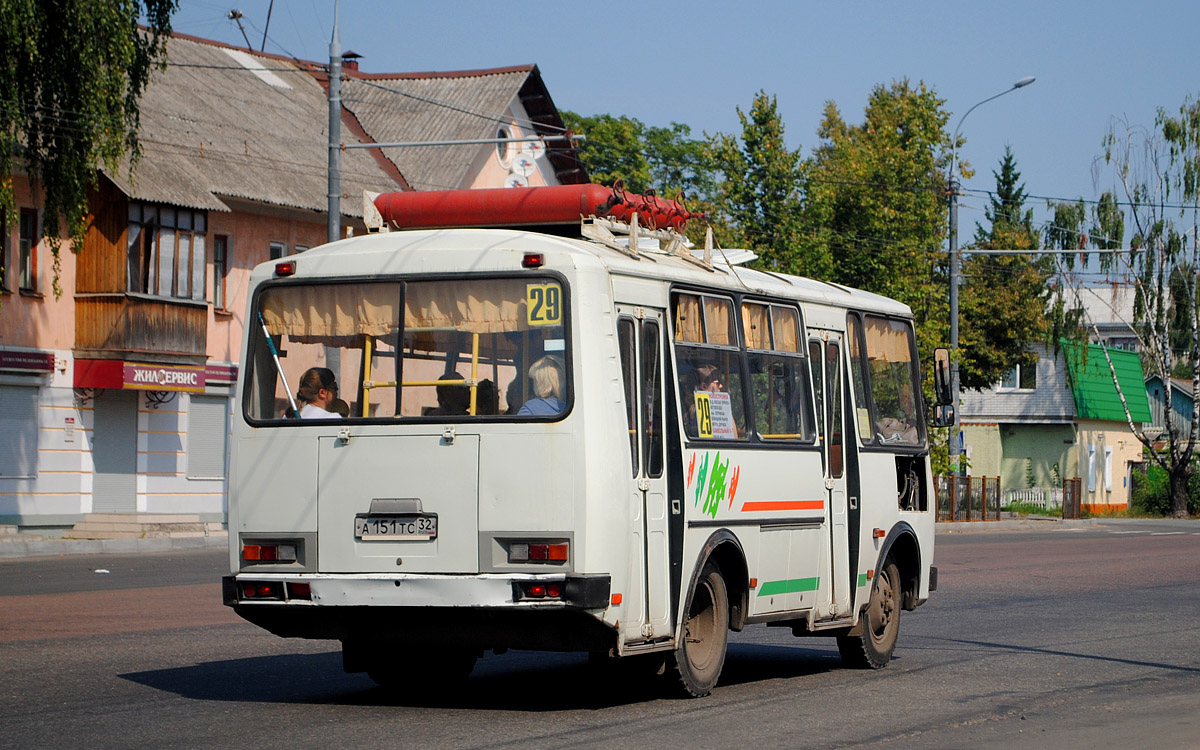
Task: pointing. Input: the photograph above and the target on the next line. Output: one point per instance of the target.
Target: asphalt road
(1062, 637)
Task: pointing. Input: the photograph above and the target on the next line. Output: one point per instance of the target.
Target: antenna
(236, 15)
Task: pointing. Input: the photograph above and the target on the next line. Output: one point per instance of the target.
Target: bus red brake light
(539, 552)
(285, 268)
(262, 590)
(533, 260)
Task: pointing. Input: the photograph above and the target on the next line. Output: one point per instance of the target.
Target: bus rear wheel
(879, 623)
(701, 653)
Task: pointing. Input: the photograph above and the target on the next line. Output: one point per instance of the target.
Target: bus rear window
(426, 350)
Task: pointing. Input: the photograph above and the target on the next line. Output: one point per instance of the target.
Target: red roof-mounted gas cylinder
(507, 207)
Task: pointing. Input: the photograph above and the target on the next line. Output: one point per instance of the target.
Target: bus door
(828, 384)
(642, 346)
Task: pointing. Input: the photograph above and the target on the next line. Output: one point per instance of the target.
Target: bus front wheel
(701, 653)
(879, 624)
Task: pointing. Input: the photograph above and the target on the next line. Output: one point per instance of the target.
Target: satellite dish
(536, 149)
(516, 181)
(523, 165)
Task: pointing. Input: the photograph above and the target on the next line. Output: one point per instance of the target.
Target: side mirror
(941, 378)
(943, 415)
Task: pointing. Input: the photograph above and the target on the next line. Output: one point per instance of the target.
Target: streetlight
(956, 443)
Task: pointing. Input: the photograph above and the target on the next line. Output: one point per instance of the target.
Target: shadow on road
(525, 681)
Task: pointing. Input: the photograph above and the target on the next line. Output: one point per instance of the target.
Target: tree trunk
(1179, 476)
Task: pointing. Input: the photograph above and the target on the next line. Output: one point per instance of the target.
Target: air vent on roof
(252, 64)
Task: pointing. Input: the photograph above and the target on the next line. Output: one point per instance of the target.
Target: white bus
(569, 444)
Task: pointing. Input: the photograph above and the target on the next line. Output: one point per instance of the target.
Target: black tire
(701, 653)
(438, 672)
(879, 624)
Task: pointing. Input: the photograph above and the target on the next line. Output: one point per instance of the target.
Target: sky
(1096, 64)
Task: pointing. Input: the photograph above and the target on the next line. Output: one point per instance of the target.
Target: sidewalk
(14, 547)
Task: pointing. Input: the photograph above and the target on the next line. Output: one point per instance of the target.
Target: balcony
(117, 325)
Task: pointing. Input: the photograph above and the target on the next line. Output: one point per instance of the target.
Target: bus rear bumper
(575, 591)
(486, 611)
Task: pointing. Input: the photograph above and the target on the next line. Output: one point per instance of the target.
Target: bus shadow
(525, 681)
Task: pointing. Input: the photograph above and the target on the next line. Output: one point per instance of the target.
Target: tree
(76, 70)
(1158, 174)
(758, 198)
(1004, 297)
(644, 157)
(874, 199)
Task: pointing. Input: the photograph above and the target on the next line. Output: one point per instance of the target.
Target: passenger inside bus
(452, 399)
(340, 407)
(485, 398)
(546, 374)
(317, 391)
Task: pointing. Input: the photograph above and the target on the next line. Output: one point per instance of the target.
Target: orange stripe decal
(784, 505)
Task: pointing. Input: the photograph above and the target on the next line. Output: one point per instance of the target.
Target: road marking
(1166, 533)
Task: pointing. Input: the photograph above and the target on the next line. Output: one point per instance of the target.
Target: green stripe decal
(862, 579)
(771, 588)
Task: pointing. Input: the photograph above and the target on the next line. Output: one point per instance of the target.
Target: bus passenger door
(648, 601)
(826, 360)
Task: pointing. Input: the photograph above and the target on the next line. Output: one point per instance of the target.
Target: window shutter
(206, 437)
(18, 431)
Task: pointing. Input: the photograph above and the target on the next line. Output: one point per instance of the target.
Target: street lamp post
(956, 443)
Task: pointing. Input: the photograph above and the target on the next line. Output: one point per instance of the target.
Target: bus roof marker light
(533, 260)
(285, 268)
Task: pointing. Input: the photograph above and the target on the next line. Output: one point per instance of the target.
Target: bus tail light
(540, 590)
(269, 553)
(262, 590)
(539, 552)
(299, 590)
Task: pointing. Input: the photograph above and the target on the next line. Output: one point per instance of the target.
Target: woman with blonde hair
(547, 377)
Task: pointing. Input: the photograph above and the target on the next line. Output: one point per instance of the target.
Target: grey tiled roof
(212, 128)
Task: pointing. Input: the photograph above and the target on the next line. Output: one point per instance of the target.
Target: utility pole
(335, 131)
(956, 443)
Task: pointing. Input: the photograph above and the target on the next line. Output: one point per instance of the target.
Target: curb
(1013, 524)
(57, 547)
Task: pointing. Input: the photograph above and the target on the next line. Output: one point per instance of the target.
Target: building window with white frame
(220, 270)
(1020, 378)
(278, 250)
(27, 251)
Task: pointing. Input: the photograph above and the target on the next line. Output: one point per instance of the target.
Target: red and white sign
(117, 374)
(163, 377)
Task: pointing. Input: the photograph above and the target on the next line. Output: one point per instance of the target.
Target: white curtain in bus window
(778, 382)
(348, 329)
(889, 345)
(479, 347)
(718, 321)
(688, 324)
(710, 378)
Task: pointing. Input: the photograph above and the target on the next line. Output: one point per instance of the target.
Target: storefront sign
(24, 361)
(148, 377)
(144, 376)
(68, 429)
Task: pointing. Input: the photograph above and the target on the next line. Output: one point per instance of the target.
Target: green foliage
(1158, 170)
(1150, 494)
(75, 71)
(758, 199)
(874, 199)
(1004, 298)
(645, 158)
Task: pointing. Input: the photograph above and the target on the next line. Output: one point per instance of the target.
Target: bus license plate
(395, 527)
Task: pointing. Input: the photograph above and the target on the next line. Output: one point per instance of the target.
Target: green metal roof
(1092, 383)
